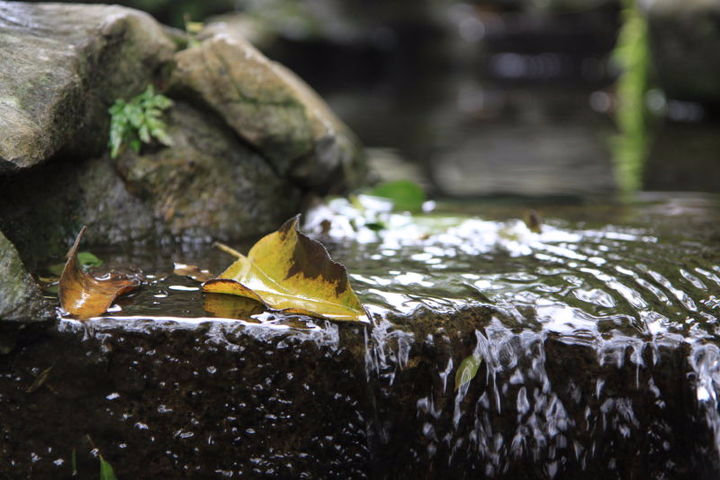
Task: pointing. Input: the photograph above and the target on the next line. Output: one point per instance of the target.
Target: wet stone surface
(215, 399)
(596, 349)
(201, 401)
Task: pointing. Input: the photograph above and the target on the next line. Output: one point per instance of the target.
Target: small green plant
(138, 121)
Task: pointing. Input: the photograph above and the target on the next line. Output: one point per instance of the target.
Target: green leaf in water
(376, 226)
(73, 463)
(405, 195)
(106, 470)
(86, 260)
(467, 370)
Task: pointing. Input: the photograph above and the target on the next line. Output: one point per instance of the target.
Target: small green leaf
(88, 259)
(85, 259)
(405, 195)
(138, 121)
(376, 226)
(467, 370)
(144, 134)
(106, 470)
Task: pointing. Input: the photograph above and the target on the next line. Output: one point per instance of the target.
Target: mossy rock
(63, 65)
(20, 297)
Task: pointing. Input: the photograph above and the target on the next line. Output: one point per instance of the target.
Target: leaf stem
(228, 250)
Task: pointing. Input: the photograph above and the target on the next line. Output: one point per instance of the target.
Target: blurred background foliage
(559, 98)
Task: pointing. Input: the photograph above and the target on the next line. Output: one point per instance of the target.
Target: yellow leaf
(230, 306)
(289, 271)
(84, 296)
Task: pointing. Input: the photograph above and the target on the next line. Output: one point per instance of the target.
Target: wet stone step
(203, 398)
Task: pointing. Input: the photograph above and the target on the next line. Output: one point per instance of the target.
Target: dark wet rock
(74, 193)
(684, 40)
(167, 399)
(208, 183)
(270, 108)
(20, 297)
(63, 66)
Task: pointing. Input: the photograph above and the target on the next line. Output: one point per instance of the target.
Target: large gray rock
(20, 297)
(62, 66)
(208, 183)
(685, 39)
(270, 108)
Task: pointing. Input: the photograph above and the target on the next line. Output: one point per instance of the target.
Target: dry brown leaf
(82, 295)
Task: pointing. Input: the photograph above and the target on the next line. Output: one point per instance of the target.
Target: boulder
(20, 297)
(208, 183)
(62, 67)
(270, 108)
(249, 138)
(684, 40)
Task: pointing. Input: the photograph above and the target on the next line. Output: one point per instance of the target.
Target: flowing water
(587, 350)
(594, 342)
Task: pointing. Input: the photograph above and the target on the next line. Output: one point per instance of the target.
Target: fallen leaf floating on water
(289, 271)
(84, 296)
(192, 271)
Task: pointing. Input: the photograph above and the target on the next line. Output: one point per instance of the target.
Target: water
(595, 343)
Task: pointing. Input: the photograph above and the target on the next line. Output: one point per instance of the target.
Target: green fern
(138, 121)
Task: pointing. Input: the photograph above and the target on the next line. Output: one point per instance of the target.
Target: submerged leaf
(106, 470)
(84, 296)
(289, 271)
(467, 370)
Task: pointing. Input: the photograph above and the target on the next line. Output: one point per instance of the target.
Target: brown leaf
(533, 221)
(193, 272)
(82, 295)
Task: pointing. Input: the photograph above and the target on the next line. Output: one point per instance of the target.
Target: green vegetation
(404, 194)
(86, 260)
(138, 121)
(632, 53)
(467, 370)
(106, 470)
